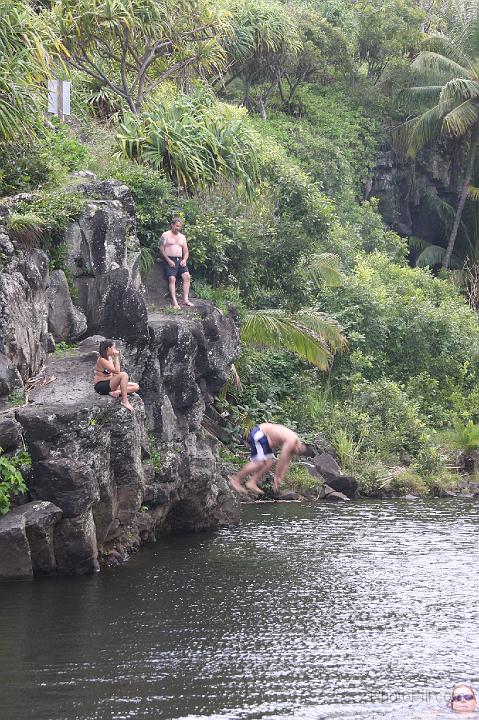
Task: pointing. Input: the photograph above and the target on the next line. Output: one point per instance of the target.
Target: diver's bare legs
(256, 470)
(252, 483)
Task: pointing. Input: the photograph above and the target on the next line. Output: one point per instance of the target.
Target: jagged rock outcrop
(410, 191)
(23, 317)
(103, 257)
(111, 479)
(65, 321)
(10, 434)
(103, 260)
(92, 458)
(27, 541)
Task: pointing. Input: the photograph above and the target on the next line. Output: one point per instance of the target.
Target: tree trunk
(471, 157)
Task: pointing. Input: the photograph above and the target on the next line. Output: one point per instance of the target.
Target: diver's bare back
(277, 434)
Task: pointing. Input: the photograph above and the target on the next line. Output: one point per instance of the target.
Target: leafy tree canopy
(132, 46)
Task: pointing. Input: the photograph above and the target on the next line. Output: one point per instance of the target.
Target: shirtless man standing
(174, 250)
(263, 439)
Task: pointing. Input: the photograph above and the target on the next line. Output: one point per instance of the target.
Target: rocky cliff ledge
(102, 480)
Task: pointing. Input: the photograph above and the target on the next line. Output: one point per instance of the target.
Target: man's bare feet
(127, 405)
(115, 393)
(236, 485)
(176, 306)
(187, 302)
(251, 485)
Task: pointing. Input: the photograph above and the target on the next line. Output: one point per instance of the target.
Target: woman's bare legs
(121, 380)
(132, 388)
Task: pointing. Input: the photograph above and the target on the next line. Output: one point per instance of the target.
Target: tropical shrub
(53, 211)
(136, 45)
(155, 200)
(464, 436)
(263, 34)
(195, 140)
(28, 165)
(403, 322)
(11, 481)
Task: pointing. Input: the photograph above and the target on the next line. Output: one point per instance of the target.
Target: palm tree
(450, 71)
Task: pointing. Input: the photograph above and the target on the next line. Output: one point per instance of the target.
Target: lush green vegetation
(259, 122)
(11, 479)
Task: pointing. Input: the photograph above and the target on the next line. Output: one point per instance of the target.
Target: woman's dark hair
(104, 345)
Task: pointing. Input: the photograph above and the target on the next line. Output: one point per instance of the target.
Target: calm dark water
(365, 610)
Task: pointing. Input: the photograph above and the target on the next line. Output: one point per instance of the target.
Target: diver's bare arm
(283, 463)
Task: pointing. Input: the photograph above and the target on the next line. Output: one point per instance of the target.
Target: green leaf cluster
(11, 480)
(196, 140)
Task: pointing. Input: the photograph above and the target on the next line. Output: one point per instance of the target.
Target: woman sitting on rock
(109, 379)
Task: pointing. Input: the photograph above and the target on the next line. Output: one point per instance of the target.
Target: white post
(59, 98)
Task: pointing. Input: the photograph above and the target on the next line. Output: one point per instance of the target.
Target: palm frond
(459, 90)
(430, 256)
(433, 255)
(297, 333)
(417, 243)
(451, 47)
(473, 193)
(461, 119)
(324, 268)
(324, 325)
(428, 61)
(424, 92)
(412, 135)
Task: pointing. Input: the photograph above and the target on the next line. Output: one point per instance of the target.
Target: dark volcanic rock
(65, 321)
(23, 318)
(327, 467)
(10, 434)
(76, 549)
(103, 258)
(15, 558)
(290, 495)
(346, 485)
(156, 285)
(90, 455)
(114, 486)
(113, 306)
(327, 493)
(67, 483)
(40, 519)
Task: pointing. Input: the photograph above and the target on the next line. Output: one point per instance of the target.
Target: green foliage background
(265, 188)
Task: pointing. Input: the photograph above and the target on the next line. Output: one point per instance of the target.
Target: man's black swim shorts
(175, 271)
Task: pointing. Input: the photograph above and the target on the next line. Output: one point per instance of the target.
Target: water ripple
(359, 610)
